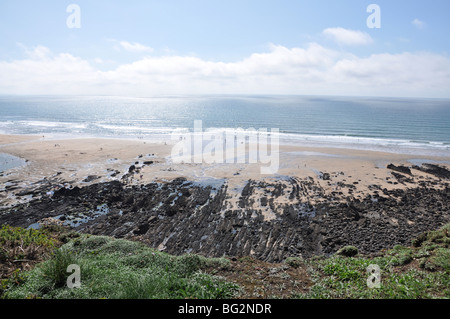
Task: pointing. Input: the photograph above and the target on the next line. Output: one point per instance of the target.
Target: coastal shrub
(417, 242)
(294, 262)
(16, 278)
(440, 236)
(25, 237)
(400, 255)
(3, 255)
(55, 269)
(188, 264)
(21, 249)
(347, 251)
(67, 236)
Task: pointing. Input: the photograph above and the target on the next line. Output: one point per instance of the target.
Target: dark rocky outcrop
(180, 216)
(402, 178)
(400, 168)
(435, 170)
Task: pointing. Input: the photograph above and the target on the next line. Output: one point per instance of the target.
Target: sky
(173, 47)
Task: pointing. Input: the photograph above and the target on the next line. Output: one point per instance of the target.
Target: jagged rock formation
(268, 220)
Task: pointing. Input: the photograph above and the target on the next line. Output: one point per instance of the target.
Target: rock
(142, 229)
(402, 178)
(436, 170)
(263, 201)
(182, 216)
(400, 168)
(246, 191)
(62, 192)
(290, 211)
(186, 192)
(90, 178)
(26, 192)
(203, 196)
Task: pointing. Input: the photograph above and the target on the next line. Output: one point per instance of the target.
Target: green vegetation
(294, 262)
(25, 237)
(117, 268)
(20, 249)
(418, 272)
(347, 251)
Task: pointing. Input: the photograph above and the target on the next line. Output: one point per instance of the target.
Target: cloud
(43, 71)
(348, 37)
(135, 47)
(418, 24)
(312, 69)
(396, 74)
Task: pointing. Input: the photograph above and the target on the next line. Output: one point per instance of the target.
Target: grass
(116, 269)
(421, 271)
(121, 269)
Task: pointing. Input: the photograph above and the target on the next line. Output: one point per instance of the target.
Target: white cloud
(400, 74)
(37, 53)
(135, 47)
(313, 69)
(418, 24)
(44, 72)
(348, 37)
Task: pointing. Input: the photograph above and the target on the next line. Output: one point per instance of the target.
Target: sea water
(8, 161)
(400, 125)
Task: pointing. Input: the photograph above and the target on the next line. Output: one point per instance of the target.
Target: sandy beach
(86, 160)
(318, 199)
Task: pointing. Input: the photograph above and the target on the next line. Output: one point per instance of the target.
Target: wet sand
(82, 161)
(75, 159)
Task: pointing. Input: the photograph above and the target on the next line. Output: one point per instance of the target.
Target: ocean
(399, 125)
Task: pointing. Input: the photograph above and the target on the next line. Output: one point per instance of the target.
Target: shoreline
(33, 148)
(318, 201)
(83, 161)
